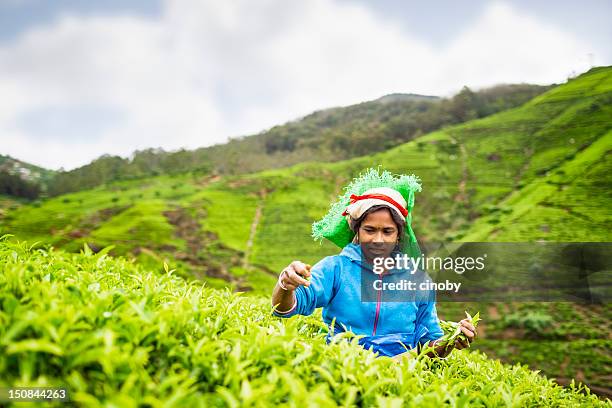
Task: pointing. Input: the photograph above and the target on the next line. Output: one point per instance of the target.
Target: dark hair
(400, 223)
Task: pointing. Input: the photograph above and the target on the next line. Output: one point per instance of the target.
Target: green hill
(535, 172)
(114, 334)
(25, 170)
(472, 174)
(327, 135)
(21, 179)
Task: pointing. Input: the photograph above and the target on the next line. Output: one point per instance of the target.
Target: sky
(79, 79)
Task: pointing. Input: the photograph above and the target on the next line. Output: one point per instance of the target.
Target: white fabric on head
(356, 209)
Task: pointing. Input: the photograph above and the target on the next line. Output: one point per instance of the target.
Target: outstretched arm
(302, 296)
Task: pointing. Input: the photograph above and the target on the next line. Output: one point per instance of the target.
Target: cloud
(204, 71)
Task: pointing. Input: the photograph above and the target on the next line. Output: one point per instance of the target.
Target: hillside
(25, 170)
(472, 174)
(21, 179)
(327, 135)
(115, 334)
(535, 172)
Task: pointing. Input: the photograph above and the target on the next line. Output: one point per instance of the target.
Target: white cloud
(207, 70)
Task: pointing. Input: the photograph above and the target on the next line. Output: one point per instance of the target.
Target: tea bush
(115, 334)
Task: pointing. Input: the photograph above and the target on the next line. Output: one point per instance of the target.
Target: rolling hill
(21, 180)
(25, 170)
(326, 135)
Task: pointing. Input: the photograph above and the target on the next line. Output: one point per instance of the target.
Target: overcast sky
(79, 79)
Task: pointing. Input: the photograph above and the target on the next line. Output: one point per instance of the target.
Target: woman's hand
(470, 332)
(294, 275)
(466, 328)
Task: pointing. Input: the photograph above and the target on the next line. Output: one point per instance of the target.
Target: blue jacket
(390, 326)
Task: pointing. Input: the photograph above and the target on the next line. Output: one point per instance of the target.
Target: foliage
(14, 185)
(115, 334)
(327, 135)
(452, 330)
(534, 321)
(21, 179)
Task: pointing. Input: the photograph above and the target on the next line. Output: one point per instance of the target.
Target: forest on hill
(327, 135)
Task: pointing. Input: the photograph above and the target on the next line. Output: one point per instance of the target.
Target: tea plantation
(538, 172)
(116, 334)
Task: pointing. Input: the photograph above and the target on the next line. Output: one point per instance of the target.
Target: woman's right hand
(294, 275)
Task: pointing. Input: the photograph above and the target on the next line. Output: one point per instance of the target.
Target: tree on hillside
(13, 185)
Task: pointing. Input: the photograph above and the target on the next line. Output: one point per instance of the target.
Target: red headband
(355, 198)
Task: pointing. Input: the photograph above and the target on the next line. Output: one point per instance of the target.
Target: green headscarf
(334, 226)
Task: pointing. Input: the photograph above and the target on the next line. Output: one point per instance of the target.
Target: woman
(378, 219)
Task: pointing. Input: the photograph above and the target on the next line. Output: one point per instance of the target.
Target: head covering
(376, 196)
(369, 189)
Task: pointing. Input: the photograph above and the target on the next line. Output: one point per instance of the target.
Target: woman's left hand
(470, 332)
(466, 328)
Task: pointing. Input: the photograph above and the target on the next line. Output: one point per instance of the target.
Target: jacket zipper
(378, 299)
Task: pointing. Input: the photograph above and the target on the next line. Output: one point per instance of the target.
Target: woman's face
(378, 234)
